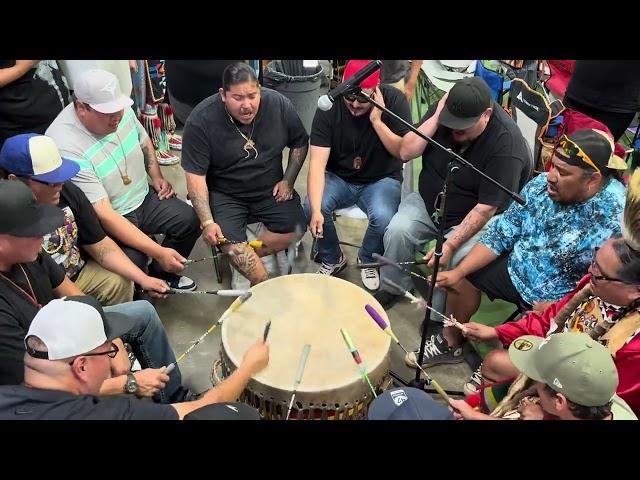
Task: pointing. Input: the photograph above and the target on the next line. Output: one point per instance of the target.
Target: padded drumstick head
(376, 316)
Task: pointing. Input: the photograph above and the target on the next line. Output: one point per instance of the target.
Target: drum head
(308, 308)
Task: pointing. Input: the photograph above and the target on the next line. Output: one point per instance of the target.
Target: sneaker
(436, 352)
(333, 268)
(181, 283)
(167, 158)
(175, 142)
(473, 385)
(386, 299)
(370, 277)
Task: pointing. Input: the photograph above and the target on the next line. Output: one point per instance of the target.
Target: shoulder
(207, 110)
(273, 98)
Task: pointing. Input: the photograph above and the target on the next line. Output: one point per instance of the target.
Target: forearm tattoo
(200, 202)
(102, 252)
(149, 158)
(296, 160)
(472, 224)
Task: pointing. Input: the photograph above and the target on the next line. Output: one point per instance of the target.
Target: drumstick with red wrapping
(356, 356)
(301, 364)
(387, 329)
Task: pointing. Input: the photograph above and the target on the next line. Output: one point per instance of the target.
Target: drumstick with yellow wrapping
(301, 364)
(235, 305)
(171, 366)
(356, 356)
(387, 329)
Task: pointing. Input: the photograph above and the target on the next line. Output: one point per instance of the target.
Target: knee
(381, 215)
(496, 365)
(116, 290)
(400, 226)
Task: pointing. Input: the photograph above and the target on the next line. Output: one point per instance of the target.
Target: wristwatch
(131, 385)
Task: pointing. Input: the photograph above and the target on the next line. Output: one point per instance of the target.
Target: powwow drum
(309, 308)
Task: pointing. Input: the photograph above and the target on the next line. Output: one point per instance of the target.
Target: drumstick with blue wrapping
(387, 329)
(235, 305)
(301, 364)
(356, 356)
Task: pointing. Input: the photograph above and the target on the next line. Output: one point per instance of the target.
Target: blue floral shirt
(551, 244)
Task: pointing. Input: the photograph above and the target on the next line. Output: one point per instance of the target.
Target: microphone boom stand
(454, 164)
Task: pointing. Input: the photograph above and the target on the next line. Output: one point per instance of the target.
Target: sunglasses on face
(352, 97)
(573, 150)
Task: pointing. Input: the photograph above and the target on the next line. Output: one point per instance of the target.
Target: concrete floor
(186, 317)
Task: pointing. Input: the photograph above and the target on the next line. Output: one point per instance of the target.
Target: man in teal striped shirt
(102, 134)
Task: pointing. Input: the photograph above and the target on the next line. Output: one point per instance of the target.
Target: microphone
(325, 102)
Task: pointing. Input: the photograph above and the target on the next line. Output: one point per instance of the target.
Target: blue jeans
(379, 200)
(150, 344)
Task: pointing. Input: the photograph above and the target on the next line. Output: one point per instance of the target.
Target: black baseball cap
(224, 411)
(22, 216)
(407, 403)
(467, 101)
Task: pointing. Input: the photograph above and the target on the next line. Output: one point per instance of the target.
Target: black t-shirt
(609, 85)
(17, 311)
(31, 102)
(191, 81)
(81, 227)
(18, 402)
(352, 137)
(500, 152)
(212, 145)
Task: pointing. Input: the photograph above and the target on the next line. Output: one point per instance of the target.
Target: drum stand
(454, 165)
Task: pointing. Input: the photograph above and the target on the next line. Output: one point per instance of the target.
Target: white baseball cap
(72, 326)
(101, 90)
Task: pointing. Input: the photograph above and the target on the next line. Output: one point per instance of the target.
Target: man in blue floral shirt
(536, 253)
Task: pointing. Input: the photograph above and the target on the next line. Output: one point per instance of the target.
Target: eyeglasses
(573, 150)
(109, 353)
(595, 266)
(48, 184)
(352, 97)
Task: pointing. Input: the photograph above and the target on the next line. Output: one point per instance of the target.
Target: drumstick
(356, 356)
(236, 305)
(448, 321)
(171, 366)
(391, 263)
(387, 329)
(221, 293)
(301, 364)
(379, 264)
(267, 327)
(314, 248)
(189, 261)
(252, 243)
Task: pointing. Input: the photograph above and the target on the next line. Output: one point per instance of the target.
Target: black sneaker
(386, 299)
(436, 352)
(181, 283)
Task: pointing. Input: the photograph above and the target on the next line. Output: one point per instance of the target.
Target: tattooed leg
(246, 261)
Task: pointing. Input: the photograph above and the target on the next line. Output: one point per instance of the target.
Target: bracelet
(206, 223)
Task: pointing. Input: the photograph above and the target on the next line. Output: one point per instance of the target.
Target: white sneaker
(474, 383)
(333, 268)
(370, 278)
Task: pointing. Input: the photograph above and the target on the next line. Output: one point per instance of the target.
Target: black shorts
(494, 280)
(233, 214)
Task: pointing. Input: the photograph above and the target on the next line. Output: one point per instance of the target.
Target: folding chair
(497, 83)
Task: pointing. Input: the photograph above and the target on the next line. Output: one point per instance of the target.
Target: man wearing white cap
(68, 347)
(101, 133)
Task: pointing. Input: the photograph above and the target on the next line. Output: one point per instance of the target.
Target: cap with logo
(101, 90)
(571, 363)
(407, 403)
(224, 411)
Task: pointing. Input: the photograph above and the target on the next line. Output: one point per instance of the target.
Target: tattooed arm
(297, 157)
(247, 262)
(151, 161)
(470, 225)
(109, 255)
(199, 196)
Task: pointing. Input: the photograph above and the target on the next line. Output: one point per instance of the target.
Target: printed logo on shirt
(62, 244)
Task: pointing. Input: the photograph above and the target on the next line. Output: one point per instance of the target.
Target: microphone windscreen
(324, 103)
(386, 261)
(376, 316)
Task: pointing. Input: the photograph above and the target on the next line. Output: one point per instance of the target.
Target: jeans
(150, 344)
(409, 230)
(172, 217)
(379, 200)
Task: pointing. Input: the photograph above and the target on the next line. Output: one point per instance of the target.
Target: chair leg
(216, 264)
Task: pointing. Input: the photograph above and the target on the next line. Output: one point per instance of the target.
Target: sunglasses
(595, 266)
(352, 97)
(573, 150)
